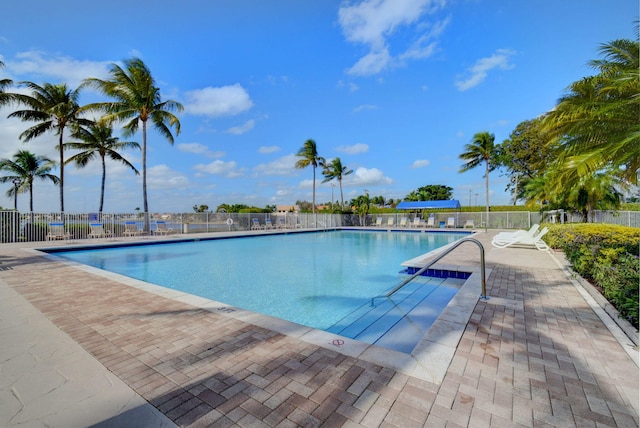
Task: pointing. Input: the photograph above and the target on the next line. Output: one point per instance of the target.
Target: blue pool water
(315, 279)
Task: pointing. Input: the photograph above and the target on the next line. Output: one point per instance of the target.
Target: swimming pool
(316, 279)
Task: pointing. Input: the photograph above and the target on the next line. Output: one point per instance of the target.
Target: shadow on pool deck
(534, 354)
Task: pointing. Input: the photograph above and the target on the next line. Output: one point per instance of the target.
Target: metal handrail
(437, 259)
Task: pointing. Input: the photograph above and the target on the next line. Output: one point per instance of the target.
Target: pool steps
(400, 321)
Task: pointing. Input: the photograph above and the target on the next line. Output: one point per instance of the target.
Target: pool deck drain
(537, 355)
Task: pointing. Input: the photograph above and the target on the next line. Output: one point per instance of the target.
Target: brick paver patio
(534, 355)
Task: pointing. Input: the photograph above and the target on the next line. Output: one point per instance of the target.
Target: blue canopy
(429, 205)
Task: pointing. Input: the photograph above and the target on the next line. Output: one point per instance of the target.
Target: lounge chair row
(268, 224)
(97, 230)
(417, 222)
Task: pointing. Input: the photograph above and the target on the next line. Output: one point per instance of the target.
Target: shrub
(607, 255)
(618, 275)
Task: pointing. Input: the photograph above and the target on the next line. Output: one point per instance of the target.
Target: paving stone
(539, 357)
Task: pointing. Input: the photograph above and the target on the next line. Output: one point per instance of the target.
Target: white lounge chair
(162, 229)
(56, 231)
(403, 222)
(451, 222)
(281, 223)
(523, 240)
(469, 223)
(98, 231)
(416, 222)
(131, 229)
(255, 224)
(531, 232)
(431, 221)
(378, 222)
(390, 222)
(268, 224)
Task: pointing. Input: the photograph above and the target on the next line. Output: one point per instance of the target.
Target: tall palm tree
(308, 155)
(137, 101)
(53, 107)
(481, 150)
(335, 170)
(24, 167)
(97, 141)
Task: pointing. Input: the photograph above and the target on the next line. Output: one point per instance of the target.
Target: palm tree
(481, 149)
(335, 169)
(97, 141)
(308, 154)
(24, 167)
(137, 100)
(5, 98)
(596, 122)
(53, 106)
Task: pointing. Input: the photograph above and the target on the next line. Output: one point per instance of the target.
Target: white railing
(29, 227)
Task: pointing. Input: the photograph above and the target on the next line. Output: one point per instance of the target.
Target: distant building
(287, 209)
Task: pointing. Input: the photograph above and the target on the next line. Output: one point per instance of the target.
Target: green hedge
(607, 255)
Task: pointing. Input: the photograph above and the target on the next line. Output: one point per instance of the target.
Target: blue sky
(395, 88)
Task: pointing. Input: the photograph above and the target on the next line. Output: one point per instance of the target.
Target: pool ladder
(437, 259)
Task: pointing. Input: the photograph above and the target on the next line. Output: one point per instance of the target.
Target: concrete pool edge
(428, 361)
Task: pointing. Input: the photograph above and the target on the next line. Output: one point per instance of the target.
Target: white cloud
(479, 71)
(244, 128)
(163, 177)
(353, 149)
(366, 177)
(350, 85)
(199, 149)
(282, 166)
(421, 163)
(372, 63)
(373, 22)
(218, 167)
(268, 149)
(217, 102)
(365, 107)
(61, 68)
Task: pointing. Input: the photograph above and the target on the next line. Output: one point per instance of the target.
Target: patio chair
(378, 222)
(268, 224)
(451, 222)
(281, 224)
(403, 222)
(390, 222)
(469, 223)
(416, 222)
(531, 232)
(431, 221)
(523, 240)
(131, 229)
(255, 224)
(162, 229)
(98, 231)
(56, 231)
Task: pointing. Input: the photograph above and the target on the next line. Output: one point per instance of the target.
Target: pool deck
(80, 348)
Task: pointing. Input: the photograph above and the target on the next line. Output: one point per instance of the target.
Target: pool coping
(428, 361)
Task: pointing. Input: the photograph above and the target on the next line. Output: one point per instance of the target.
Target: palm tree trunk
(61, 149)
(341, 197)
(147, 227)
(486, 175)
(104, 177)
(313, 198)
(31, 196)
